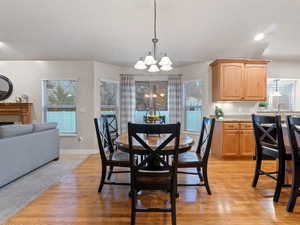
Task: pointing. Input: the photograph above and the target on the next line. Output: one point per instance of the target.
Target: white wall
(105, 72)
(276, 69)
(200, 71)
(27, 79)
(284, 69)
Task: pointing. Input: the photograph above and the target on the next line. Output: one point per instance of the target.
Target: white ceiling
(120, 31)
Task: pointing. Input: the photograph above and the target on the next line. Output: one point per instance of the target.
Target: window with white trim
(109, 96)
(193, 112)
(287, 90)
(151, 97)
(59, 104)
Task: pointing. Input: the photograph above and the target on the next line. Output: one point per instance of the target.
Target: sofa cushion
(44, 126)
(15, 130)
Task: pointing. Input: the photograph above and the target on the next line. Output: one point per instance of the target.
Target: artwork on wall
(6, 87)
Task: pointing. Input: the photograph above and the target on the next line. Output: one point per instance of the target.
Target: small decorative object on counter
(263, 105)
(18, 99)
(219, 113)
(22, 99)
(25, 98)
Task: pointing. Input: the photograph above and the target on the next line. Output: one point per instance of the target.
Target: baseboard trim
(78, 151)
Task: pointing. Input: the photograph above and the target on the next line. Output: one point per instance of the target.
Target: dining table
(153, 141)
(288, 147)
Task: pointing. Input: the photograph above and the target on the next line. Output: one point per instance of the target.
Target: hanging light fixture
(276, 93)
(150, 62)
(165, 61)
(140, 65)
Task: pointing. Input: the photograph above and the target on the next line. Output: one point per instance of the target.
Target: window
(108, 97)
(60, 104)
(287, 90)
(193, 105)
(151, 97)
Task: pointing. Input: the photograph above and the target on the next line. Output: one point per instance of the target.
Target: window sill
(69, 135)
(191, 132)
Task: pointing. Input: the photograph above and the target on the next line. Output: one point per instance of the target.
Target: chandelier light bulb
(165, 61)
(166, 68)
(259, 37)
(149, 60)
(153, 68)
(277, 94)
(140, 65)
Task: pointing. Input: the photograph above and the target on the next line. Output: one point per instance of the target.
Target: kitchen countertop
(234, 120)
(246, 118)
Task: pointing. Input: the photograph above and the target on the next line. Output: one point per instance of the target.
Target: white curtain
(127, 101)
(175, 98)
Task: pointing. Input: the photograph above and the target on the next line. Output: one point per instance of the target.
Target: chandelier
(150, 62)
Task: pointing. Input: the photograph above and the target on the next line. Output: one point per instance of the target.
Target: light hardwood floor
(75, 201)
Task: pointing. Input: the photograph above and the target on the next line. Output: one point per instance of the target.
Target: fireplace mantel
(23, 110)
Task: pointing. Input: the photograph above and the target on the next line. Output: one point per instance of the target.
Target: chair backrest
(101, 137)
(268, 133)
(110, 127)
(206, 135)
(137, 134)
(112, 124)
(294, 136)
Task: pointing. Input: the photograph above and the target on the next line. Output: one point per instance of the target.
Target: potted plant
(219, 113)
(263, 105)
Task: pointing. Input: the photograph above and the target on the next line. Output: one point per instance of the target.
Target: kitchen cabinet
(234, 140)
(239, 80)
(255, 82)
(232, 78)
(231, 143)
(247, 143)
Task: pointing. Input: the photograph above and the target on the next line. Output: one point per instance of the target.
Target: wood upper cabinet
(239, 80)
(255, 82)
(231, 81)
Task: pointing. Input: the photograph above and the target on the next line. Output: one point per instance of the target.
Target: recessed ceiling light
(259, 37)
(2, 44)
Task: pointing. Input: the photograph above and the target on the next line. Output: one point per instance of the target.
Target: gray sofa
(24, 148)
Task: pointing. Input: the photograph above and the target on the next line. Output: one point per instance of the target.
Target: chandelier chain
(151, 61)
(155, 20)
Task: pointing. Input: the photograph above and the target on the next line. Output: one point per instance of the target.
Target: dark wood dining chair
(109, 156)
(270, 144)
(165, 178)
(199, 159)
(112, 124)
(294, 136)
(110, 128)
